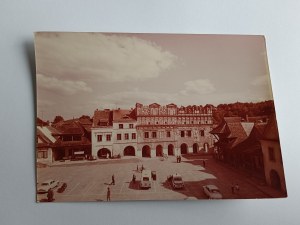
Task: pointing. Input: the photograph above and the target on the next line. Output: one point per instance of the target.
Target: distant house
(114, 133)
(273, 166)
(70, 139)
(229, 134)
(247, 155)
(45, 141)
(73, 139)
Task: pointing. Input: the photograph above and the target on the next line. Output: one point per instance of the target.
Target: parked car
(62, 188)
(176, 181)
(146, 179)
(212, 191)
(47, 185)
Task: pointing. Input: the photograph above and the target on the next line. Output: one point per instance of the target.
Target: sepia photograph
(127, 117)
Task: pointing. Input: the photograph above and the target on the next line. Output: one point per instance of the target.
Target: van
(146, 179)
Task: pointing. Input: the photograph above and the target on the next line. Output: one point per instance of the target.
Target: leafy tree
(58, 119)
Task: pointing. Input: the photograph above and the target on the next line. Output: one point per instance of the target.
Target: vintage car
(47, 185)
(212, 192)
(176, 181)
(146, 179)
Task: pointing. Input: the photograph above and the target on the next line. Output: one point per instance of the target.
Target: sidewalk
(262, 186)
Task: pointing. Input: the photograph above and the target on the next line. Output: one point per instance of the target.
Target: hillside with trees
(243, 110)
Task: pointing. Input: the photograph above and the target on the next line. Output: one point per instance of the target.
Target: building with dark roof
(229, 133)
(65, 140)
(115, 135)
(272, 157)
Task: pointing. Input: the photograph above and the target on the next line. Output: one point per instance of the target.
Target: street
(88, 181)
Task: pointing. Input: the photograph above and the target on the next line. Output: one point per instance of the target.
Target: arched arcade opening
(146, 151)
(183, 148)
(159, 150)
(129, 151)
(195, 148)
(170, 149)
(104, 153)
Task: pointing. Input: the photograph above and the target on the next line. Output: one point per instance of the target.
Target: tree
(58, 119)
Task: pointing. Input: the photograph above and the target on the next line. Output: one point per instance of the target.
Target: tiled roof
(234, 119)
(103, 116)
(271, 131)
(46, 134)
(123, 115)
(252, 144)
(247, 127)
(220, 129)
(72, 126)
(237, 133)
(234, 130)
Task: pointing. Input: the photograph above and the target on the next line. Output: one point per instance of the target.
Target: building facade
(114, 133)
(152, 130)
(273, 165)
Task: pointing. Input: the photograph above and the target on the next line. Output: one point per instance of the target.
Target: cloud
(67, 87)
(198, 87)
(260, 81)
(106, 57)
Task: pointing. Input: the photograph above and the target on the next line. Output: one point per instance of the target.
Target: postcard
(126, 117)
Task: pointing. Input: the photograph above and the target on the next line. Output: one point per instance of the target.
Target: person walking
(232, 188)
(133, 178)
(203, 163)
(50, 195)
(113, 179)
(108, 194)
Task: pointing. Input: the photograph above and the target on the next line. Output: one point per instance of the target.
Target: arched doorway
(183, 148)
(146, 151)
(129, 151)
(170, 149)
(103, 152)
(205, 146)
(159, 150)
(195, 148)
(275, 180)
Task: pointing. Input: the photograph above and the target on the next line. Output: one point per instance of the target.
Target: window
(99, 137)
(271, 154)
(108, 137)
(126, 136)
(146, 135)
(189, 133)
(133, 136)
(119, 137)
(202, 133)
(168, 133)
(182, 133)
(154, 134)
(42, 155)
(131, 126)
(120, 126)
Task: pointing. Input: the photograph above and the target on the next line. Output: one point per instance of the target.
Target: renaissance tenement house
(152, 130)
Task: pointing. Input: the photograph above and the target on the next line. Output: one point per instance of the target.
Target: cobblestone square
(88, 181)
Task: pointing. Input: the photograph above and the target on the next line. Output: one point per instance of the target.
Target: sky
(78, 73)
